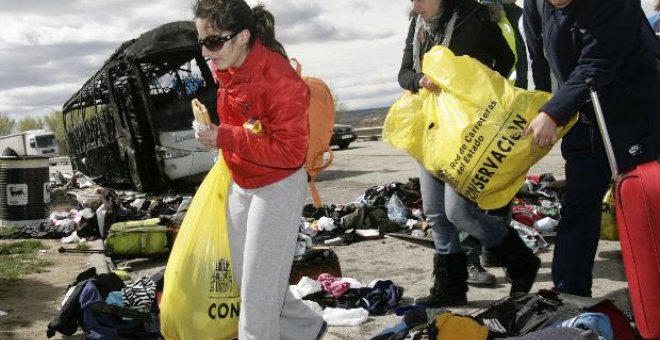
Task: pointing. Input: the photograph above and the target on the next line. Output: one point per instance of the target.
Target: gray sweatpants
(263, 228)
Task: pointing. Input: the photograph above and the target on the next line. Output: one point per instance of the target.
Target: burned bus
(130, 125)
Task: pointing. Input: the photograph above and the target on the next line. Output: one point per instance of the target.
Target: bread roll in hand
(200, 112)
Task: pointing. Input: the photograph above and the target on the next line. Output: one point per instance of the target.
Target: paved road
(368, 163)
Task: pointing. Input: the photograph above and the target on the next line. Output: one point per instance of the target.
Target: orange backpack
(321, 124)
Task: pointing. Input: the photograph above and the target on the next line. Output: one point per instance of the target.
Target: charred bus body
(130, 125)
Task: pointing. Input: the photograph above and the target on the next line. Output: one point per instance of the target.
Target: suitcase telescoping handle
(600, 118)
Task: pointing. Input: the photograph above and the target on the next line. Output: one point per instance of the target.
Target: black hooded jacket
(609, 41)
(475, 35)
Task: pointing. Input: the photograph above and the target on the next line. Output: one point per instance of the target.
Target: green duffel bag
(137, 242)
(125, 226)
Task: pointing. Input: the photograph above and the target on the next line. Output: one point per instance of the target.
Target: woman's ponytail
(265, 29)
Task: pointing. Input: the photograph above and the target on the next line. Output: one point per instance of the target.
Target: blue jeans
(471, 244)
(447, 212)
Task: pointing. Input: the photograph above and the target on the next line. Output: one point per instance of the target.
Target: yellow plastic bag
(608, 229)
(469, 134)
(200, 298)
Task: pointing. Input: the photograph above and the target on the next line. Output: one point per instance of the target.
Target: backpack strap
(298, 66)
(316, 198)
(312, 187)
(326, 163)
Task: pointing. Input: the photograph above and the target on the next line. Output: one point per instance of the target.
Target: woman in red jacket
(263, 135)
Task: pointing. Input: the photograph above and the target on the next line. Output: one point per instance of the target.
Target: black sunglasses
(215, 42)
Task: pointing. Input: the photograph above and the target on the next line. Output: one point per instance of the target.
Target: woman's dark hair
(236, 15)
(657, 6)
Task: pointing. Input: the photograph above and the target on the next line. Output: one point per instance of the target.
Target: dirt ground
(32, 302)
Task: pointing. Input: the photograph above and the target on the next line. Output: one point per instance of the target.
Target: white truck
(31, 143)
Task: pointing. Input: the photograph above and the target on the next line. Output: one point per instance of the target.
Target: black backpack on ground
(69, 317)
(523, 315)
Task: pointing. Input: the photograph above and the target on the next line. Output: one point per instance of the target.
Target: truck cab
(41, 142)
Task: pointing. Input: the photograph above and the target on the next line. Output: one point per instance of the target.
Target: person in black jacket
(465, 27)
(514, 14)
(610, 42)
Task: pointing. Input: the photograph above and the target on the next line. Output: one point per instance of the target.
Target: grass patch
(20, 258)
(82, 246)
(21, 247)
(6, 231)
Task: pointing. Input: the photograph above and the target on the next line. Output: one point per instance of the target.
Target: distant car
(342, 136)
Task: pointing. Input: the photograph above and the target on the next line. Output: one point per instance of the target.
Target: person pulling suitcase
(610, 42)
(637, 197)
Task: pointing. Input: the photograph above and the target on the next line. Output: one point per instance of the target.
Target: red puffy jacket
(265, 87)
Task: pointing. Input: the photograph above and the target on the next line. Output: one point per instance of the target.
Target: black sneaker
(477, 275)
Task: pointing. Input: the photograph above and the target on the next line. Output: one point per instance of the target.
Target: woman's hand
(208, 137)
(426, 83)
(544, 131)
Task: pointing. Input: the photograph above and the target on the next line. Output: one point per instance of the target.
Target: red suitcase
(637, 196)
(638, 221)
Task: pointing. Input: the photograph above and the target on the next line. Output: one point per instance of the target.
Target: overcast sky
(48, 49)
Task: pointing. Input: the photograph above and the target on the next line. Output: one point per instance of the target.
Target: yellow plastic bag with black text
(200, 297)
(469, 134)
